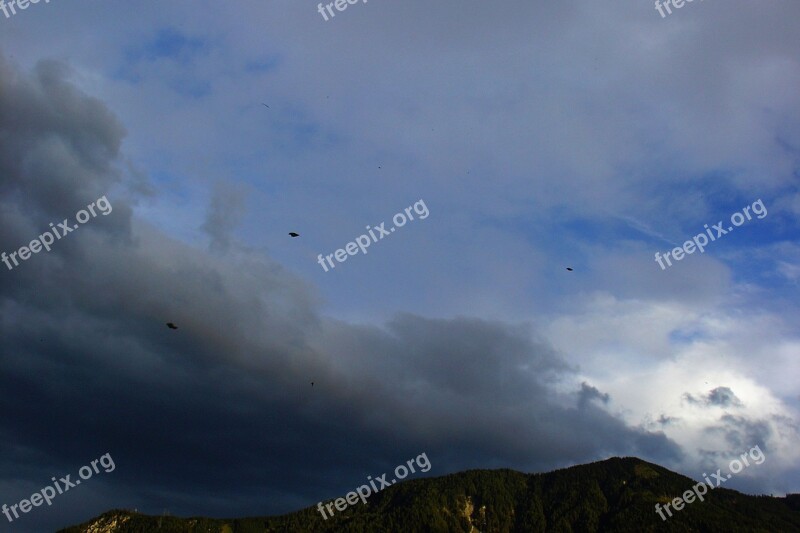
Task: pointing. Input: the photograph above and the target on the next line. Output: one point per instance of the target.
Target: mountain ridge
(613, 495)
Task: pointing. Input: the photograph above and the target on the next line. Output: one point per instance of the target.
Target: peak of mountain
(614, 495)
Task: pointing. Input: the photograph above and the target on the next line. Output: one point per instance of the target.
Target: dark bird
(265, 105)
(569, 268)
(293, 234)
(170, 325)
(312, 383)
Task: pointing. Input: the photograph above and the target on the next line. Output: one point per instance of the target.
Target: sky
(525, 137)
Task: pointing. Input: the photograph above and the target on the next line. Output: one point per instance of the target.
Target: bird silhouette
(569, 268)
(293, 234)
(265, 105)
(170, 325)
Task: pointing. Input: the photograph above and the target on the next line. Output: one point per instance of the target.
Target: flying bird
(265, 105)
(569, 268)
(170, 325)
(293, 234)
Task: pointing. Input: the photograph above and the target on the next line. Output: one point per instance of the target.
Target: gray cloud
(718, 397)
(219, 416)
(723, 397)
(589, 393)
(665, 420)
(605, 113)
(224, 213)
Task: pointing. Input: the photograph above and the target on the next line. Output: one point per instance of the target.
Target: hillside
(614, 495)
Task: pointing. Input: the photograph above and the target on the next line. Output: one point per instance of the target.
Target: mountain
(615, 495)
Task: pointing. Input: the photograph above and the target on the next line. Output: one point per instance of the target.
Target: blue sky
(540, 136)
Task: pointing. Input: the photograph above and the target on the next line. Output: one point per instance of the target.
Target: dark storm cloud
(724, 397)
(218, 417)
(58, 145)
(589, 393)
(718, 397)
